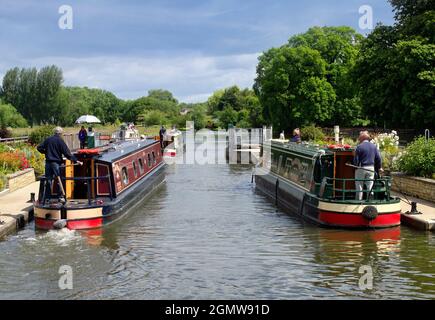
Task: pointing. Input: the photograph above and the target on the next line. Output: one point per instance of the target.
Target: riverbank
(15, 209)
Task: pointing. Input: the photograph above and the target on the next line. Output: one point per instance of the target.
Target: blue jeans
(52, 170)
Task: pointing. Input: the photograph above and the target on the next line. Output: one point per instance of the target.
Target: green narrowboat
(318, 184)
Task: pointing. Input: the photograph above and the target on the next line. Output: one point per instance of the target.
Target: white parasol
(88, 119)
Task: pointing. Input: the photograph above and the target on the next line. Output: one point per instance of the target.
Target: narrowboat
(112, 181)
(319, 185)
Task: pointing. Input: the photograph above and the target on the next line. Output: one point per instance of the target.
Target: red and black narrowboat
(112, 180)
(319, 185)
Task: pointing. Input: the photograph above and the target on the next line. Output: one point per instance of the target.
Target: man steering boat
(54, 149)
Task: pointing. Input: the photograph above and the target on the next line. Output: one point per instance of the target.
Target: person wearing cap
(368, 160)
(54, 149)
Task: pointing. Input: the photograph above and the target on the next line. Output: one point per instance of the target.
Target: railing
(43, 192)
(15, 139)
(381, 189)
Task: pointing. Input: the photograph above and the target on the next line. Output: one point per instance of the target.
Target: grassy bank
(104, 129)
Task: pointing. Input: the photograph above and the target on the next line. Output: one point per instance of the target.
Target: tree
(160, 100)
(153, 117)
(395, 68)
(308, 80)
(32, 92)
(9, 117)
(288, 81)
(237, 107)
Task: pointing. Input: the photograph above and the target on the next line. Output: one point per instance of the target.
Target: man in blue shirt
(368, 159)
(54, 149)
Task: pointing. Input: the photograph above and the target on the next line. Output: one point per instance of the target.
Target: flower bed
(15, 160)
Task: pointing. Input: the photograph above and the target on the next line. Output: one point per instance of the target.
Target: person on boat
(296, 136)
(368, 160)
(161, 135)
(91, 138)
(54, 149)
(83, 135)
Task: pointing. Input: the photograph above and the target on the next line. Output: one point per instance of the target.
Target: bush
(10, 117)
(40, 134)
(418, 158)
(312, 133)
(5, 133)
(153, 118)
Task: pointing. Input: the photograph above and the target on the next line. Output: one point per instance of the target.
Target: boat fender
(59, 224)
(370, 213)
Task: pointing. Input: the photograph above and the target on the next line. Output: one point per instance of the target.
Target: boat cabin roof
(308, 149)
(115, 151)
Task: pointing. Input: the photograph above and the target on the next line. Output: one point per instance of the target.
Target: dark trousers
(52, 171)
(82, 144)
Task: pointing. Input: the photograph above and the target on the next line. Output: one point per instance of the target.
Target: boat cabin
(106, 172)
(325, 172)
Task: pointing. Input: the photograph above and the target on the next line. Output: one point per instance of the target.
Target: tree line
(325, 76)
(333, 75)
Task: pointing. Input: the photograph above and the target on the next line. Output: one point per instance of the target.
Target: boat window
(149, 160)
(154, 158)
(134, 169)
(124, 175)
(140, 166)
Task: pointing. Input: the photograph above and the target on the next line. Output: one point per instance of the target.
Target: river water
(206, 233)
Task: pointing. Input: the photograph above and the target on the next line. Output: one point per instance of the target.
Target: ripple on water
(205, 233)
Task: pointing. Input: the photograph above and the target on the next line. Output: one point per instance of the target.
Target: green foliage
(395, 68)
(159, 100)
(312, 133)
(72, 102)
(236, 107)
(153, 117)
(9, 117)
(5, 132)
(33, 92)
(418, 158)
(227, 117)
(309, 79)
(40, 134)
(198, 116)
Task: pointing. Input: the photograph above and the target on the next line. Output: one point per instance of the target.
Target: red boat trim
(348, 219)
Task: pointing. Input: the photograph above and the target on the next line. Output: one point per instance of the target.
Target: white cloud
(191, 77)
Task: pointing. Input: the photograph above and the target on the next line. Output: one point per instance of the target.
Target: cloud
(191, 77)
(189, 47)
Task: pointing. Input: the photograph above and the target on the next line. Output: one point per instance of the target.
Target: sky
(189, 47)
